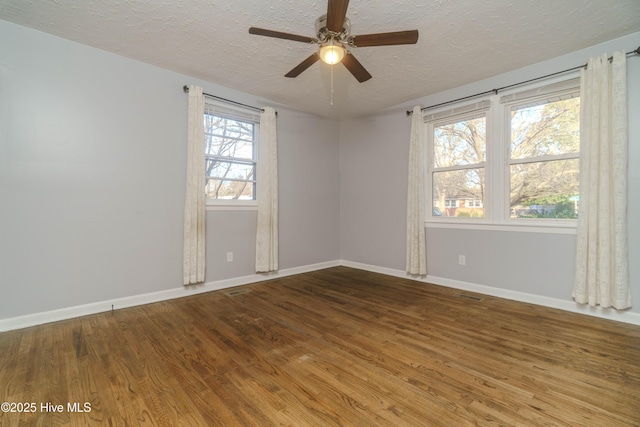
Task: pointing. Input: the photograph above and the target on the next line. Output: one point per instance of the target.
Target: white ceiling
(461, 41)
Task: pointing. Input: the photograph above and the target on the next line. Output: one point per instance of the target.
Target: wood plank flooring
(336, 347)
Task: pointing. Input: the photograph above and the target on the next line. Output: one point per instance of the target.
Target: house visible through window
(473, 203)
(230, 155)
(510, 159)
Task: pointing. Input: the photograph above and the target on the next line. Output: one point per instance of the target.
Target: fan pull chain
(331, 85)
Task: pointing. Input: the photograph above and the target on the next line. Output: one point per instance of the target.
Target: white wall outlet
(229, 256)
(462, 260)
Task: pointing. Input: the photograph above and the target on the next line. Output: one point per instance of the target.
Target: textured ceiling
(460, 41)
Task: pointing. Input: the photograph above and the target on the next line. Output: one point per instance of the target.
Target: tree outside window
(544, 160)
(459, 150)
(525, 145)
(230, 151)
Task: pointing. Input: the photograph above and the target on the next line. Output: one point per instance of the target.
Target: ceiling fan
(333, 34)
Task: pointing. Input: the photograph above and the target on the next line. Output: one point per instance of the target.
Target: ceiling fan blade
(336, 12)
(386, 39)
(281, 35)
(355, 68)
(303, 65)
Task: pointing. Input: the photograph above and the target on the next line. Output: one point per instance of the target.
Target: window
(230, 155)
(510, 159)
(544, 151)
(457, 171)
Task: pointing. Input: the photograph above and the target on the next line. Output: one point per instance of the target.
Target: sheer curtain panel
(416, 239)
(267, 228)
(194, 205)
(602, 276)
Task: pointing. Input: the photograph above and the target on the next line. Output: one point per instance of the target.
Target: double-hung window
(544, 152)
(511, 159)
(230, 155)
(456, 168)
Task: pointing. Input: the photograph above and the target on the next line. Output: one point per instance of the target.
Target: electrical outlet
(462, 260)
(229, 256)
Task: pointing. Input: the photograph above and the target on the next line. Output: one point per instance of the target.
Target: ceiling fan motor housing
(324, 34)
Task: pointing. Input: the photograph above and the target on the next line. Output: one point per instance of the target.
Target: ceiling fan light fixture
(333, 35)
(332, 52)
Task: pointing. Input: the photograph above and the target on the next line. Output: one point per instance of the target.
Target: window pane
(230, 162)
(230, 170)
(228, 147)
(227, 190)
(220, 126)
(453, 189)
(459, 143)
(545, 189)
(226, 137)
(547, 129)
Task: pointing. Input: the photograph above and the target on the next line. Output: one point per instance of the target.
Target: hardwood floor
(336, 347)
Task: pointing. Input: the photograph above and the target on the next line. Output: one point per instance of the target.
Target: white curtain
(194, 205)
(602, 276)
(267, 229)
(416, 249)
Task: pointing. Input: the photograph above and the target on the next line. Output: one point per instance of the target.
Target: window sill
(551, 228)
(232, 206)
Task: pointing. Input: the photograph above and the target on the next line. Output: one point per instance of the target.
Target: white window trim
(478, 108)
(230, 205)
(497, 215)
(486, 226)
(242, 114)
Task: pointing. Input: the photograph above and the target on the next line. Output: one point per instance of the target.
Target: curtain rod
(185, 88)
(495, 91)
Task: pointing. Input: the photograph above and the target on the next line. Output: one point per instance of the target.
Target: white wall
(92, 165)
(373, 167)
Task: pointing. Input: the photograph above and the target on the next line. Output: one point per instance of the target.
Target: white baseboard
(566, 305)
(183, 291)
(134, 300)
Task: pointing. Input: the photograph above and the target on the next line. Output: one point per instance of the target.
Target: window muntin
(230, 156)
(458, 168)
(544, 150)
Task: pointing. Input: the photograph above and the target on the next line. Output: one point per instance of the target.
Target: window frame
(569, 88)
(496, 203)
(239, 114)
(467, 111)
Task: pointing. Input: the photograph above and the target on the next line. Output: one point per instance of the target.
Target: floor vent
(238, 292)
(470, 297)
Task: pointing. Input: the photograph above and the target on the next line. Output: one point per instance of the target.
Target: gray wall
(308, 174)
(373, 167)
(92, 165)
(373, 189)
